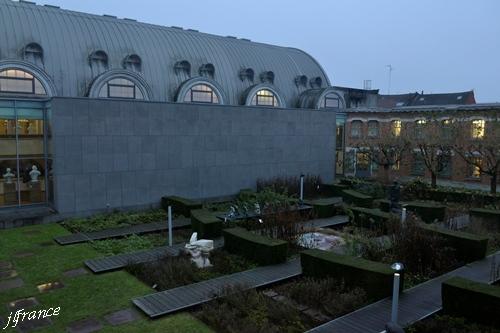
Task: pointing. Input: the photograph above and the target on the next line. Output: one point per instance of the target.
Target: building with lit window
(98, 112)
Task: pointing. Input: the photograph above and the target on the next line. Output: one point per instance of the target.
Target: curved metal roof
(68, 38)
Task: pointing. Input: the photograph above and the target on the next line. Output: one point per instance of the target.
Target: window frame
(377, 128)
(33, 80)
(359, 134)
(399, 128)
(192, 91)
(475, 130)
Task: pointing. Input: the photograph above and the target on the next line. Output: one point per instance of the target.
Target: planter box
(206, 224)
(180, 205)
(428, 211)
(358, 199)
(324, 207)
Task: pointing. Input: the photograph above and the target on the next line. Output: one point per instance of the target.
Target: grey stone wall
(128, 154)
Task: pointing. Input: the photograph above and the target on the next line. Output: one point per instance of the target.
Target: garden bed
(440, 323)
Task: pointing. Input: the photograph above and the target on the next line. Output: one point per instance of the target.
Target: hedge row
(476, 301)
(428, 211)
(469, 247)
(180, 205)
(324, 207)
(333, 189)
(264, 250)
(358, 199)
(383, 204)
(205, 223)
(489, 216)
(370, 218)
(475, 198)
(375, 278)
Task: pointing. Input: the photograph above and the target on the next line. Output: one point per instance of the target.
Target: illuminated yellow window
(396, 127)
(478, 129)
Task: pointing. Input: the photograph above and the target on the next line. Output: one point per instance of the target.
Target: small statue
(34, 174)
(199, 249)
(231, 213)
(257, 208)
(8, 175)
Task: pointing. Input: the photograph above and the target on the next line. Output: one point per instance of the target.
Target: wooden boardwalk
(415, 304)
(121, 232)
(162, 303)
(111, 263)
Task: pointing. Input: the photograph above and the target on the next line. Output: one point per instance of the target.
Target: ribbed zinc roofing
(68, 38)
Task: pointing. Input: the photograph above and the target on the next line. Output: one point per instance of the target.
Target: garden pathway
(415, 304)
(106, 264)
(168, 301)
(121, 232)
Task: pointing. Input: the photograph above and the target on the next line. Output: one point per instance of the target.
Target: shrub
(291, 185)
(324, 207)
(357, 198)
(428, 211)
(373, 277)
(247, 311)
(263, 250)
(468, 247)
(479, 302)
(180, 205)
(328, 295)
(333, 189)
(447, 324)
(489, 217)
(373, 219)
(205, 223)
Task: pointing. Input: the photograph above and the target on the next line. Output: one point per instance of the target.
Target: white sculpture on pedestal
(8, 175)
(34, 174)
(199, 250)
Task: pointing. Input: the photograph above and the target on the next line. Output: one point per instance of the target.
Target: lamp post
(301, 189)
(398, 268)
(169, 225)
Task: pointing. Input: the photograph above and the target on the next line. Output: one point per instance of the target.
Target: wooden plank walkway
(111, 263)
(161, 303)
(415, 304)
(121, 232)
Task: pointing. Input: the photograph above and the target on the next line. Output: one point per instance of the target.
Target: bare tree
(477, 142)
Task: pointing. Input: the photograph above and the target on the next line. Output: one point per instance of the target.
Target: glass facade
(23, 154)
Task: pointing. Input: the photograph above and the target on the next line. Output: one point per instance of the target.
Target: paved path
(416, 303)
(162, 303)
(121, 232)
(111, 263)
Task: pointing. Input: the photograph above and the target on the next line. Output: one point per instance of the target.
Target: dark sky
(433, 45)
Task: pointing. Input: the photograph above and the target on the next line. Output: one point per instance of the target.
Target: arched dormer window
(18, 81)
(34, 54)
(182, 67)
(331, 100)
(263, 95)
(120, 84)
(98, 61)
(133, 63)
(207, 70)
(200, 90)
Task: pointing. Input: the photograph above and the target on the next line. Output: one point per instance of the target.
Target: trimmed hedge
(333, 189)
(476, 301)
(488, 216)
(379, 218)
(428, 211)
(180, 205)
(264, 250)
(358, 199)
(469, 247)
(383, 204)
(374, 277)
(324, 207)
(205, 223)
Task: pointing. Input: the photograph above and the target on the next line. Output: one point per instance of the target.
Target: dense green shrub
(448, 324)
(290, 185)
(479, 302)
(205, 223)
(373, 219)
(113, 220)
(263, 250)
(358, 199)
(383, 204)
(248, 311)
(324, 207)
(427, 211)
(468, 247)
(180, 205)
(374, 278)
(490, 217)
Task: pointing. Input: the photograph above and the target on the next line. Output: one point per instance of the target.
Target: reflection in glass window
(120, 88)
(356, 128)
(478, 129)
(373, 129)
(21, 82)
(396, 128)
(201, 93)
(331, 100)
(265, 97)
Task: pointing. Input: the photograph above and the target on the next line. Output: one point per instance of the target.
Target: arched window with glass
(201, 93)
(18, 81)
(331, 100)
(265, 97)
(121, 88)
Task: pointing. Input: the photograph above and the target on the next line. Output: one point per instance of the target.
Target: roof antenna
(390, 68)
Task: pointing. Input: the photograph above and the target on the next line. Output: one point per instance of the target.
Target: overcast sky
(432, 45)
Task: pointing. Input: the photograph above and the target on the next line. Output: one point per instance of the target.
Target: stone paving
(34, 324)
(87, 325)
(23, 254)
(11, 284)
(23, 303)
(75, 272)
(122, 317)
(46, 287)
